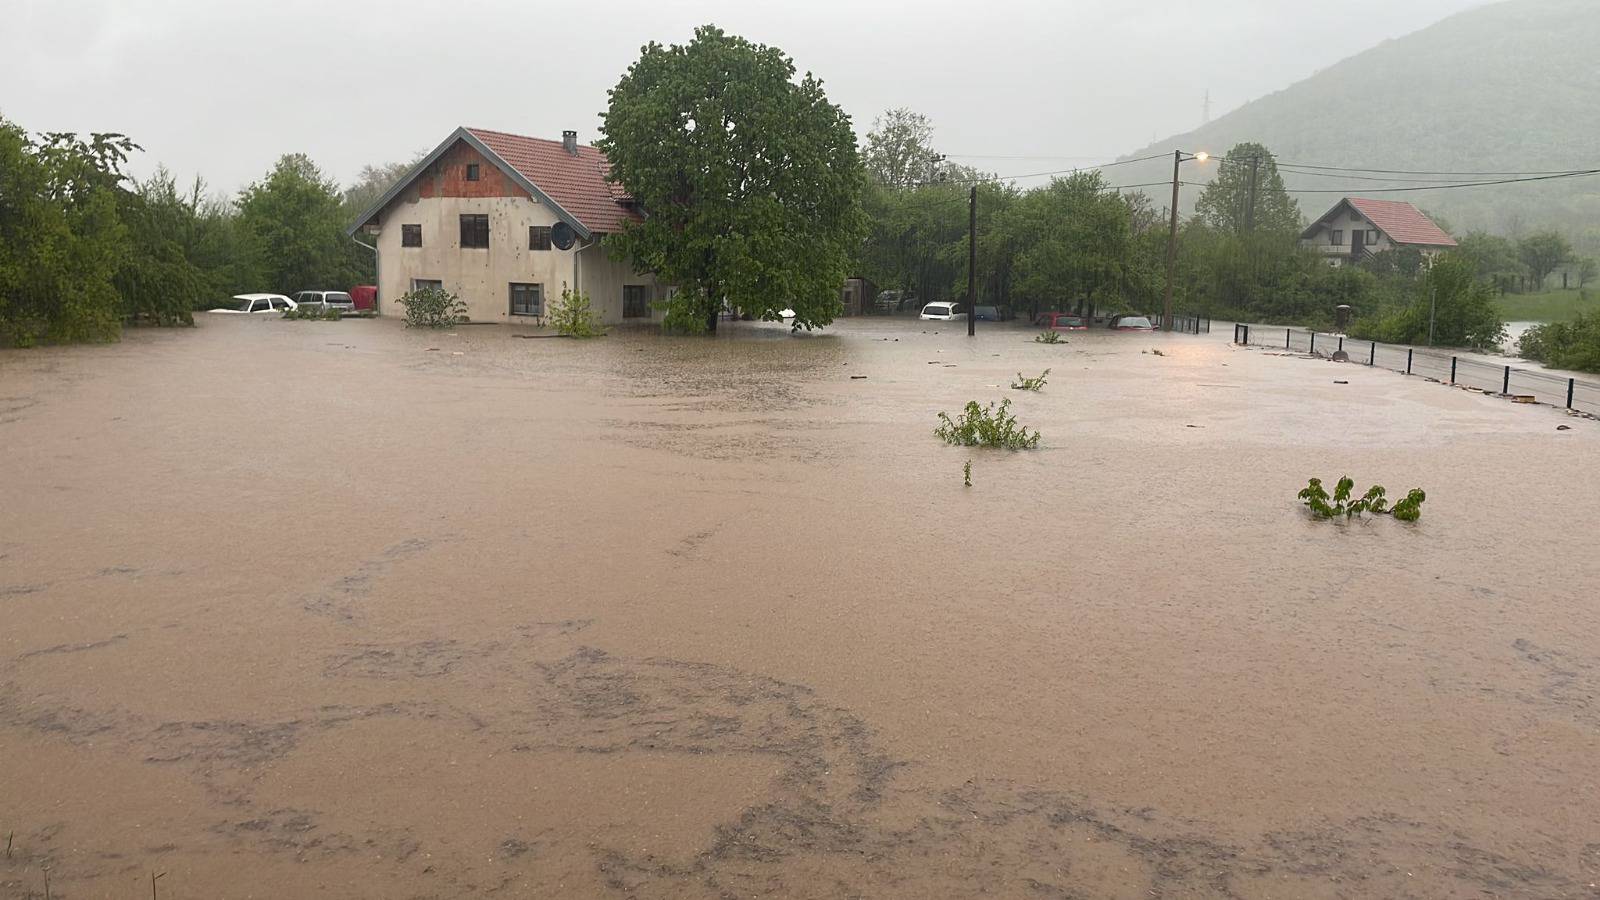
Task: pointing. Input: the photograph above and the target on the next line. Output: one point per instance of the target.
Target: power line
(1454, 186)
(982, 179)
(1350, 176)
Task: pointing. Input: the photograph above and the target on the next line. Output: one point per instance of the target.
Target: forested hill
(1509, 87)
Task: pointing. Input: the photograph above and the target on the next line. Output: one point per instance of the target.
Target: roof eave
(464, 134)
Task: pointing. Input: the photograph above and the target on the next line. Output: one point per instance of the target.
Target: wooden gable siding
(447, 177)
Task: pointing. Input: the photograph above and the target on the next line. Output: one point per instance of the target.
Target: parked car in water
(1057, 321)
(246, 304)
(1131, 323)
(943, 312)
(992, 313)
(326, 300)
(895, 301)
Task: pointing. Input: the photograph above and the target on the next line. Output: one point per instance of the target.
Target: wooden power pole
(1172, 244)
(972, 262)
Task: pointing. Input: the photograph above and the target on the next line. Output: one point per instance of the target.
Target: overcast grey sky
(223, 87)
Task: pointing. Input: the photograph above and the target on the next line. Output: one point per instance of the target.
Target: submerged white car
(943, 312)
(247, 304)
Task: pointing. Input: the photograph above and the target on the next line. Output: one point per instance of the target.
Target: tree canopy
(899, 149)
(1248, 194)
(751, 180)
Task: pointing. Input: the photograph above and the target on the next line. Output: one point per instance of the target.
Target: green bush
(987, 426)
(1462, 308)
(432, 307)
(574, 317)
(1565, 345)
(1049, 337)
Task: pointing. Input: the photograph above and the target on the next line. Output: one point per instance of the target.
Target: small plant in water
(980, 426)
(574, 317)
(1049, 337)
(308, 311)
(1030, 384)
(1374, 501)
(966, 473)
(1156, 352)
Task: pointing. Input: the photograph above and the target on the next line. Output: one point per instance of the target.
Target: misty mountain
(1509, 87)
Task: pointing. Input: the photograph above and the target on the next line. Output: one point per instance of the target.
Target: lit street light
(1178, 158)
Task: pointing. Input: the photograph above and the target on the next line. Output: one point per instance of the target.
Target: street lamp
(1178, 159)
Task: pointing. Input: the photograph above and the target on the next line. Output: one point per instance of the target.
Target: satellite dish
(562, 237)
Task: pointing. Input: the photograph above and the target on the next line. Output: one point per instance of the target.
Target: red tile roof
(1402, 222)
(578, 183)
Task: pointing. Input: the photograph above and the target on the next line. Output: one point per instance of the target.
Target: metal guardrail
(1568, 393)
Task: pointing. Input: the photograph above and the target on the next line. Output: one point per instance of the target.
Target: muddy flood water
(317, 609)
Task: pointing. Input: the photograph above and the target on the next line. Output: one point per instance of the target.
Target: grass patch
(1549, 306)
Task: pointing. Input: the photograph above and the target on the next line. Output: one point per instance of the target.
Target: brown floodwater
(315, 609)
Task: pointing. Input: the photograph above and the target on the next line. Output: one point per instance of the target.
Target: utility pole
(972, 262)
(1433, 309)
(1250, 207)
(1172, 244)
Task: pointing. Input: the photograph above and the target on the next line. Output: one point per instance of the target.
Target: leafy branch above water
(1374, 501)
(1030, 384)
(980, 426)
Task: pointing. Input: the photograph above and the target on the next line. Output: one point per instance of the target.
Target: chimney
(569, 140)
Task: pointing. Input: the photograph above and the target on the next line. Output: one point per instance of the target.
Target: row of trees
(85, 248)
(1079, 243)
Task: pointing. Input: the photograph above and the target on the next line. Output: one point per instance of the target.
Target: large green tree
(292, 230)
(1247, 194)
(1543, 252)
(750, 180)
(61, 241)
(899, 149)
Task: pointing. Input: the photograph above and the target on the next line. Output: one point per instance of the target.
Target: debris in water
(857, 377)
(1340, 382)
(1563, 427)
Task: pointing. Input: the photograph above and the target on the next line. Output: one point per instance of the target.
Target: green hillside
(1514, 86)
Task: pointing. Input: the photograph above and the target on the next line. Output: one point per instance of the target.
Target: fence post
(1313, 340)
(1409, 351)
(1286, 333)
(1505, 384)
(1571, 383)
(1452, 370)
(1372, 358)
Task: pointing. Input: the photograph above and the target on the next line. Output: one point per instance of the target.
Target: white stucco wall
(1346, 220)
(482, 277)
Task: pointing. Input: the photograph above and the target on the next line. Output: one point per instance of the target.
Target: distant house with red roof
(1357, 228)
(504, 221)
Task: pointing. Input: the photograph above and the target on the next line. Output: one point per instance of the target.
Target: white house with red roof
(504, 221)
(1357, 228)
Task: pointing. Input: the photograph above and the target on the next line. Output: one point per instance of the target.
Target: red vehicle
(365, 295)
(1057, 321)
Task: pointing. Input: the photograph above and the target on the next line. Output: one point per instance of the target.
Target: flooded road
(315, 609)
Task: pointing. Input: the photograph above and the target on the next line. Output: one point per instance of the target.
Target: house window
(1338, 237)
(635, 301)
(1372, 237)
(475, 231)
(411, 235)
(422, 284)
(538, 237)
(472, 171)
(527, 299)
